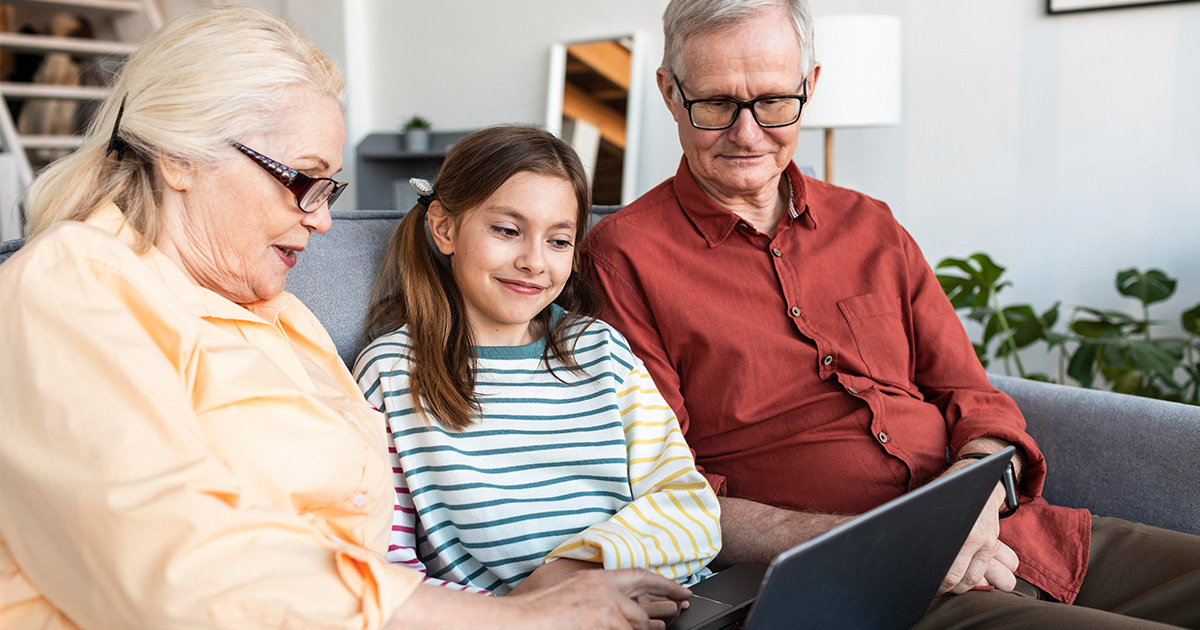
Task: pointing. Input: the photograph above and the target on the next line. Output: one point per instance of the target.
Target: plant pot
(416, 140)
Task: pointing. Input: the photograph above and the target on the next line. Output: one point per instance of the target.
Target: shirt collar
(714, 221)
(196, 299)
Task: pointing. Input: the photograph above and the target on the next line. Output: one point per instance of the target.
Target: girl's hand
(552, 573)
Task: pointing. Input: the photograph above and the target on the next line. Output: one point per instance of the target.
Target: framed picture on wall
(1076, 6)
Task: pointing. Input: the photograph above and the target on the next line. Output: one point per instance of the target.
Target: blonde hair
(202, 80)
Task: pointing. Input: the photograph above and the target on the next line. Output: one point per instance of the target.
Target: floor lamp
(860, 59)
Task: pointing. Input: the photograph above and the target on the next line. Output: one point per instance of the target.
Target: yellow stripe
(568, 547)
(642, 478)
(687, 514)
(619, 534)
(686, 530)
(705, 510)
(638, 388)
(641, 538)
(674, 542)
(645, 460)
(642, 423)
(647, 408)
(616, 552)
(654, 441)
(658, 487)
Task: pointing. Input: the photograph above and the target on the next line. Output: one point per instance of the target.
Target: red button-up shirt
(821, 368)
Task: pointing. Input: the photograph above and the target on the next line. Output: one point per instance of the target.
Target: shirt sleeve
(627, 310)
(950, 376)
(672, 527)
(381, 379)
(116, 508)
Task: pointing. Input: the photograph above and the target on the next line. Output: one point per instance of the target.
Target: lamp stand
(829, 155)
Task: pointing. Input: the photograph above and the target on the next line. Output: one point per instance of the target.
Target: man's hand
(756, 532)
(983, 559)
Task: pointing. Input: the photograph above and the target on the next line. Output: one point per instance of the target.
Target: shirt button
(795, 311)
(852, 390)
(775, 252)
(827, 360)
(361, 498)
(349, 416)
(882, 437)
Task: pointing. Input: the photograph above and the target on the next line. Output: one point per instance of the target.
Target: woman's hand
(585, 600)
(556, 571)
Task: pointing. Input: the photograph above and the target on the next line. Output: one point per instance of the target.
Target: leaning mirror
(595, 105)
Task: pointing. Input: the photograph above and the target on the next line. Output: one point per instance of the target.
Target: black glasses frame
(687, 104)
(296, 182)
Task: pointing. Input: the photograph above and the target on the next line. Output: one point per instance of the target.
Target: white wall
(1068, 147)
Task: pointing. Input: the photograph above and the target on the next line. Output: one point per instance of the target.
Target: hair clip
(115, 142)
(425, 197)
(424, 190)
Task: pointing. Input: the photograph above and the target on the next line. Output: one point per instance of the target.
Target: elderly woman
(181, 445)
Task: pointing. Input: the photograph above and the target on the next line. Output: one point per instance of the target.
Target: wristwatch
(1008, 479)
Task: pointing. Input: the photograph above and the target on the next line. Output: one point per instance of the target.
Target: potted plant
(416, 134)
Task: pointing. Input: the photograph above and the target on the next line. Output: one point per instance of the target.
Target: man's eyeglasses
(310, 192)
(721, 113)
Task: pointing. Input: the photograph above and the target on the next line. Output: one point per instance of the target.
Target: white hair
(204, 79)
(684, 18)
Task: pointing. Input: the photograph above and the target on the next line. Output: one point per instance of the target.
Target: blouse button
(883, 438)
(795, 311)
(775, 252)
(827, 360)
(853, 391)
(361, 498)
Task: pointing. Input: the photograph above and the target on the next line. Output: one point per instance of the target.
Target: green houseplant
(1098, 344)
(416, 133)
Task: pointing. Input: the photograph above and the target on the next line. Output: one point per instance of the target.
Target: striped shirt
(594, 468)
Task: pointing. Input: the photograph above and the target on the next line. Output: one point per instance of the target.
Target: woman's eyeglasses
(310, 192)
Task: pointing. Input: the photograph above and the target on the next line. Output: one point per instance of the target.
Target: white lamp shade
(860, 58)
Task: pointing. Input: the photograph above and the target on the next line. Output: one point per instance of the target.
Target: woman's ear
(442, 227)
(175, 174)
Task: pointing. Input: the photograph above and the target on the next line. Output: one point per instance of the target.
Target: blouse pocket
(877, 324)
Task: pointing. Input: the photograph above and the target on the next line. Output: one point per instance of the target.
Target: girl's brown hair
(417, 290)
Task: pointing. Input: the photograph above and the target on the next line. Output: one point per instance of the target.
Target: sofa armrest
(1116, 455)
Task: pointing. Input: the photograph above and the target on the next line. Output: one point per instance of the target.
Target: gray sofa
(1116, 455)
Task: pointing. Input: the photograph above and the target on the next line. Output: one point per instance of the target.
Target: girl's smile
(511, 255)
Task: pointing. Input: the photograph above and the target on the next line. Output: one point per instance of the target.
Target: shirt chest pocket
(877, 325)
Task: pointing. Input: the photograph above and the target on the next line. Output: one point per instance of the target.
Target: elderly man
(813, 360)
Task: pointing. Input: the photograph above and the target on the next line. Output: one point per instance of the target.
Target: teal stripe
(525, 558)
(624, 481)
(539, 370)
(491, 433)
(441, 448)
(504, 542)
(518, 519)
(552, 383)
(549, 401)
(485, 504)
(509, 469)
(361, 369)
(548, 418)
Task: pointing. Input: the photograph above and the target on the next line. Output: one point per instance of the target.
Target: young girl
(528, 438)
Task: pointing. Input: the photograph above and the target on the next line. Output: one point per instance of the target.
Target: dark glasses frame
(687, 104)
(297, 183)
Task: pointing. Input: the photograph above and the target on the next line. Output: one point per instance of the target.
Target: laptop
(880, 570)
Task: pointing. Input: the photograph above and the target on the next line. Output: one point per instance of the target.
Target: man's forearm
(756, 532)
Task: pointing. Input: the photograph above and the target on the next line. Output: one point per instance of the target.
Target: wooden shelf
(56, 92)
(114, 6)
(76, 46)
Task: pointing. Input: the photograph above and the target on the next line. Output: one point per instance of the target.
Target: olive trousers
(1138, 577)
